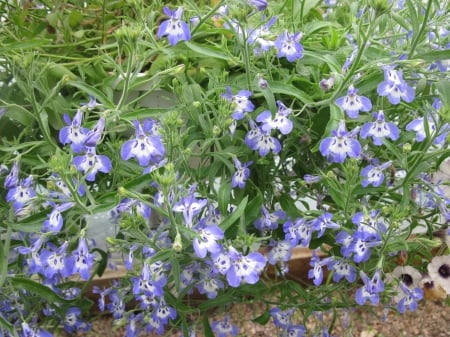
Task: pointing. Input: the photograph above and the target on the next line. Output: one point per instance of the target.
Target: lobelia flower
(281, 318)
(175, 29)
(259, 36)
(12, 179)
(361, 246)
(352, 104)
(91, 163)
(224, 328)
(299, 231)
(340, 145)
(33, 332)
(206, 240)
(342, 268)
(373, 174)
(323, 222)
(240, 102)
(72, 322)
(395, 87)
(147, 285)
(262, 142)
(294, 330)
(420, 126)
(371, 289)
(134, 326)
(316, 273)
(56, 262)
(129, 205)
(379, 129)
(83, 260)
(280, 121)
(349, 60)
(146, 147)
(22, 194)
(189, 206)
(209, 284)
(408, 298)
(345, 239)
(288, 46)
(260, 5)
(73, 133)
(242, 173)
(93, 136)
(280, 251)
(116, 304)
(55, 220)
(163, 312)
(439, 271)
(244, 268)
(269, 221)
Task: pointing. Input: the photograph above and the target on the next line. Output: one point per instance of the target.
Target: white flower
(439, 271)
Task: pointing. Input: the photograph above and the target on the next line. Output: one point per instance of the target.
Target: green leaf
(287, 89)
(264, 318)
(39, 289)
(4, 324)
(94, 92)
(235, 215)
(19, 114)
(207, 327)
(435, 55)
(209, 52)
(443, 87)
(224, 196)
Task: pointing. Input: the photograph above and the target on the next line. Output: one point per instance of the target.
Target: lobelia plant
(216, 138)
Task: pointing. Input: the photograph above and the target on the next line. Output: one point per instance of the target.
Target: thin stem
(421, 31)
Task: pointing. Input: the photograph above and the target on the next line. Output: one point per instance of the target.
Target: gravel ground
(430, 320)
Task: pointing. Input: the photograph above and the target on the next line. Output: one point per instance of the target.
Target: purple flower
(262, 142)
(269, 221)
(56, 262)
(280, 121)
(21, 194)
(189, 206)
(409, 298)
(369, 224)
(163, 312)
(244, 268)
(209, 284)
(279, 251)
(54, 222)
(342, 268)
(323, 222)
(206, 240)
(345, 239)
(352, 104)
(224, 328)
(73, 133)
(281, 318)
(72, 322)
(298, 231)
(316, 273)
(241, 175)
(260, 5)
(175, 29)
(83, 260)
(259, 36)
(93, 136)
(240, 102)
(148, 285)
(12, 179)
(127, 205)
(395, 87)
(379, 129)
(370, 289)
(288, 46)
(33, 332)
(146, 147)
(361, 246)
(340, 145)
(373, 174)
(349, 60)
(91, 163)
(420, 126)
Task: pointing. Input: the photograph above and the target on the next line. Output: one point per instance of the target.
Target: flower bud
(177, 243)
(407, 147)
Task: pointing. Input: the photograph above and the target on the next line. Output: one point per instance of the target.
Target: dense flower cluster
(268, 145)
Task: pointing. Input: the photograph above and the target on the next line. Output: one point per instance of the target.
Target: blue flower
(420, 126)
(281, 318)
(83, 260)
(371, 288)
(91, 163)
(22, 194)
(340, 145)
(260, 5)
(72, 322)
(146, 147)
(345, 239)
(288, 46)
(241, 175)
(224, 328)
(33, 332)
(55, 220)
(352, 104)
(206, 240)
(373, 174)
(163, 312)
(240, 102)
(379, 129)
(209, 284)
(12, 179)
(148, 285)
(262, 142)
(175, 29)
(361, 246)
(298, 231)
(73, 133)
(280, 121)
(244, 268)
(395, 87)
(280, 251)
(269, 221)
(259, 36)
(189, 206)
(349, 60)
(93, 136)
(128, 205)
(342, 268)
(409, 298)
(316, 273)
(323, 222)
(56, 262)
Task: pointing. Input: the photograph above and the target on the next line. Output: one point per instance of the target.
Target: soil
(430, 320)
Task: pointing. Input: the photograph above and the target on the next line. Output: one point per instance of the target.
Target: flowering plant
(206, 141)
